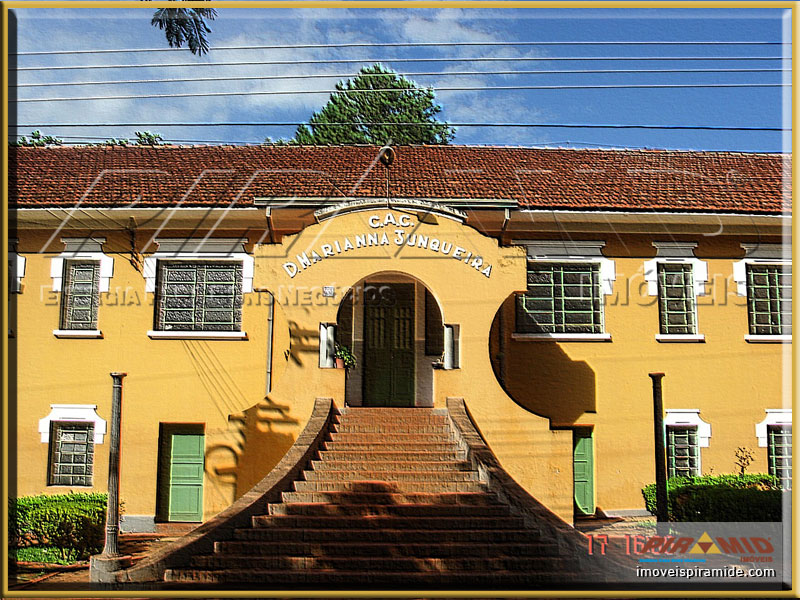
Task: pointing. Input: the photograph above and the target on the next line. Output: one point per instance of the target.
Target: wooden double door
(389, 362)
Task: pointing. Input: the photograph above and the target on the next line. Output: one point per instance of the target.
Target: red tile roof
(565, 179)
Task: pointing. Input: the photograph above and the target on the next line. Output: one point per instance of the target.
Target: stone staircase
(390, 503)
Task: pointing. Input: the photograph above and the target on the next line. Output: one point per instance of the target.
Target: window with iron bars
(779, 453)
(769, 299)
(683, 451)
(676, 301)
(561, 298)
(71, 453)
(81, 294)
(199, 296)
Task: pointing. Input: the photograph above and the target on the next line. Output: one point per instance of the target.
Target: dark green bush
(71, 524)
(755, 497)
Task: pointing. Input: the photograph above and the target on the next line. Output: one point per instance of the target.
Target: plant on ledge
(344, 357)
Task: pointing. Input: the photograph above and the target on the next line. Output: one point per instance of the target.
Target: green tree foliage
(38, 140)
(185, 26)
(377, 95)
(147, 138)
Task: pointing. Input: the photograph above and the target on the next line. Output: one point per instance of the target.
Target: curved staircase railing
(278, 480)
(535, 514)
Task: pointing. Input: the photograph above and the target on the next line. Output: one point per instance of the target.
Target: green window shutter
(561, 298)
(676, 301)
(434, 327)
(186, 477)
(779, 453)
(71, 453)
(199, 296)
(683, 451)
(583, 470)
(81, 294)
(769, 299)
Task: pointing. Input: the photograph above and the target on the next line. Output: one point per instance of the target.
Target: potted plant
(344, 357)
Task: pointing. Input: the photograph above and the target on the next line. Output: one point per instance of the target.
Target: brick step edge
(360, 579)
(391, 487)
(382, 564)
(416, 509)
(401, 536)
(388, 522)
(419, 549)
(372, 475)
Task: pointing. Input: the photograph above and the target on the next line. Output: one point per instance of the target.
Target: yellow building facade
(227, 310)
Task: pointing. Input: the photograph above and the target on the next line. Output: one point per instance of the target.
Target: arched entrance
(393, 325)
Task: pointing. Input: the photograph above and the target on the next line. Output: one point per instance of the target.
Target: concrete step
(261, 548)
(396, 536)
(387, 522)
(391, 446)
(407, 510)
(389, 456)
(382, 563)
(339, 579)
(474, 498)
(375, 475)
(389, 486)
(364, 464)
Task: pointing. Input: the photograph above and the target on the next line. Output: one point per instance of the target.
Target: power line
(438, 89)
(465, 124)
(409, 45)
(427, 73)
(397, 60)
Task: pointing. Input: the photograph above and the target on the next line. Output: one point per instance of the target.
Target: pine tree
(377, 106)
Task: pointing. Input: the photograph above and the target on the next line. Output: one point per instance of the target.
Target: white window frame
(690, 417)
(576, 252)
(73, 412)
(88, 249)
(760, 254)
(680, 253)
(199, 250)
(16, 267)
(775, 416)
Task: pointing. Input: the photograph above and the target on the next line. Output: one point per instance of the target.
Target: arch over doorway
(394, 326)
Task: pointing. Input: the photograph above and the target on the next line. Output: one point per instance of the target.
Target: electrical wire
(398, 60)
(464, 124)
(438, 89)
(410, 45)
(427, 73)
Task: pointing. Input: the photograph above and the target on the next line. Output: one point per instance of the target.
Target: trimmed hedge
(71, 525)
(755, 497)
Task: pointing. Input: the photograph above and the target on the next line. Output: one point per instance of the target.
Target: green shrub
(73, 525)
(40, 554)
(754, 497)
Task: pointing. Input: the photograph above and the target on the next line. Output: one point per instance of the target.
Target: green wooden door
(583, 470)
(186, 477)
(389, 354)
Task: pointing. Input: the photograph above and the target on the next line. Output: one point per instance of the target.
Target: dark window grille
(769, 299)
(676, 303)
(71, 453)
(561, 298)
(199, 296)
(683, 451)
(81, 295)
(779, 453)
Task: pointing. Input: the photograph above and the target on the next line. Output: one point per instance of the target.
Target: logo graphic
(705, 545)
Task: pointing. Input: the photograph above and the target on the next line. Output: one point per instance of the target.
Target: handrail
(535, 514)
(268, 490)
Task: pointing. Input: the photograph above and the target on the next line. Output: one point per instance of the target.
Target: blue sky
(43, 29)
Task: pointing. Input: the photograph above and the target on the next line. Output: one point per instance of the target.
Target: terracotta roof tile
(641, 180)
